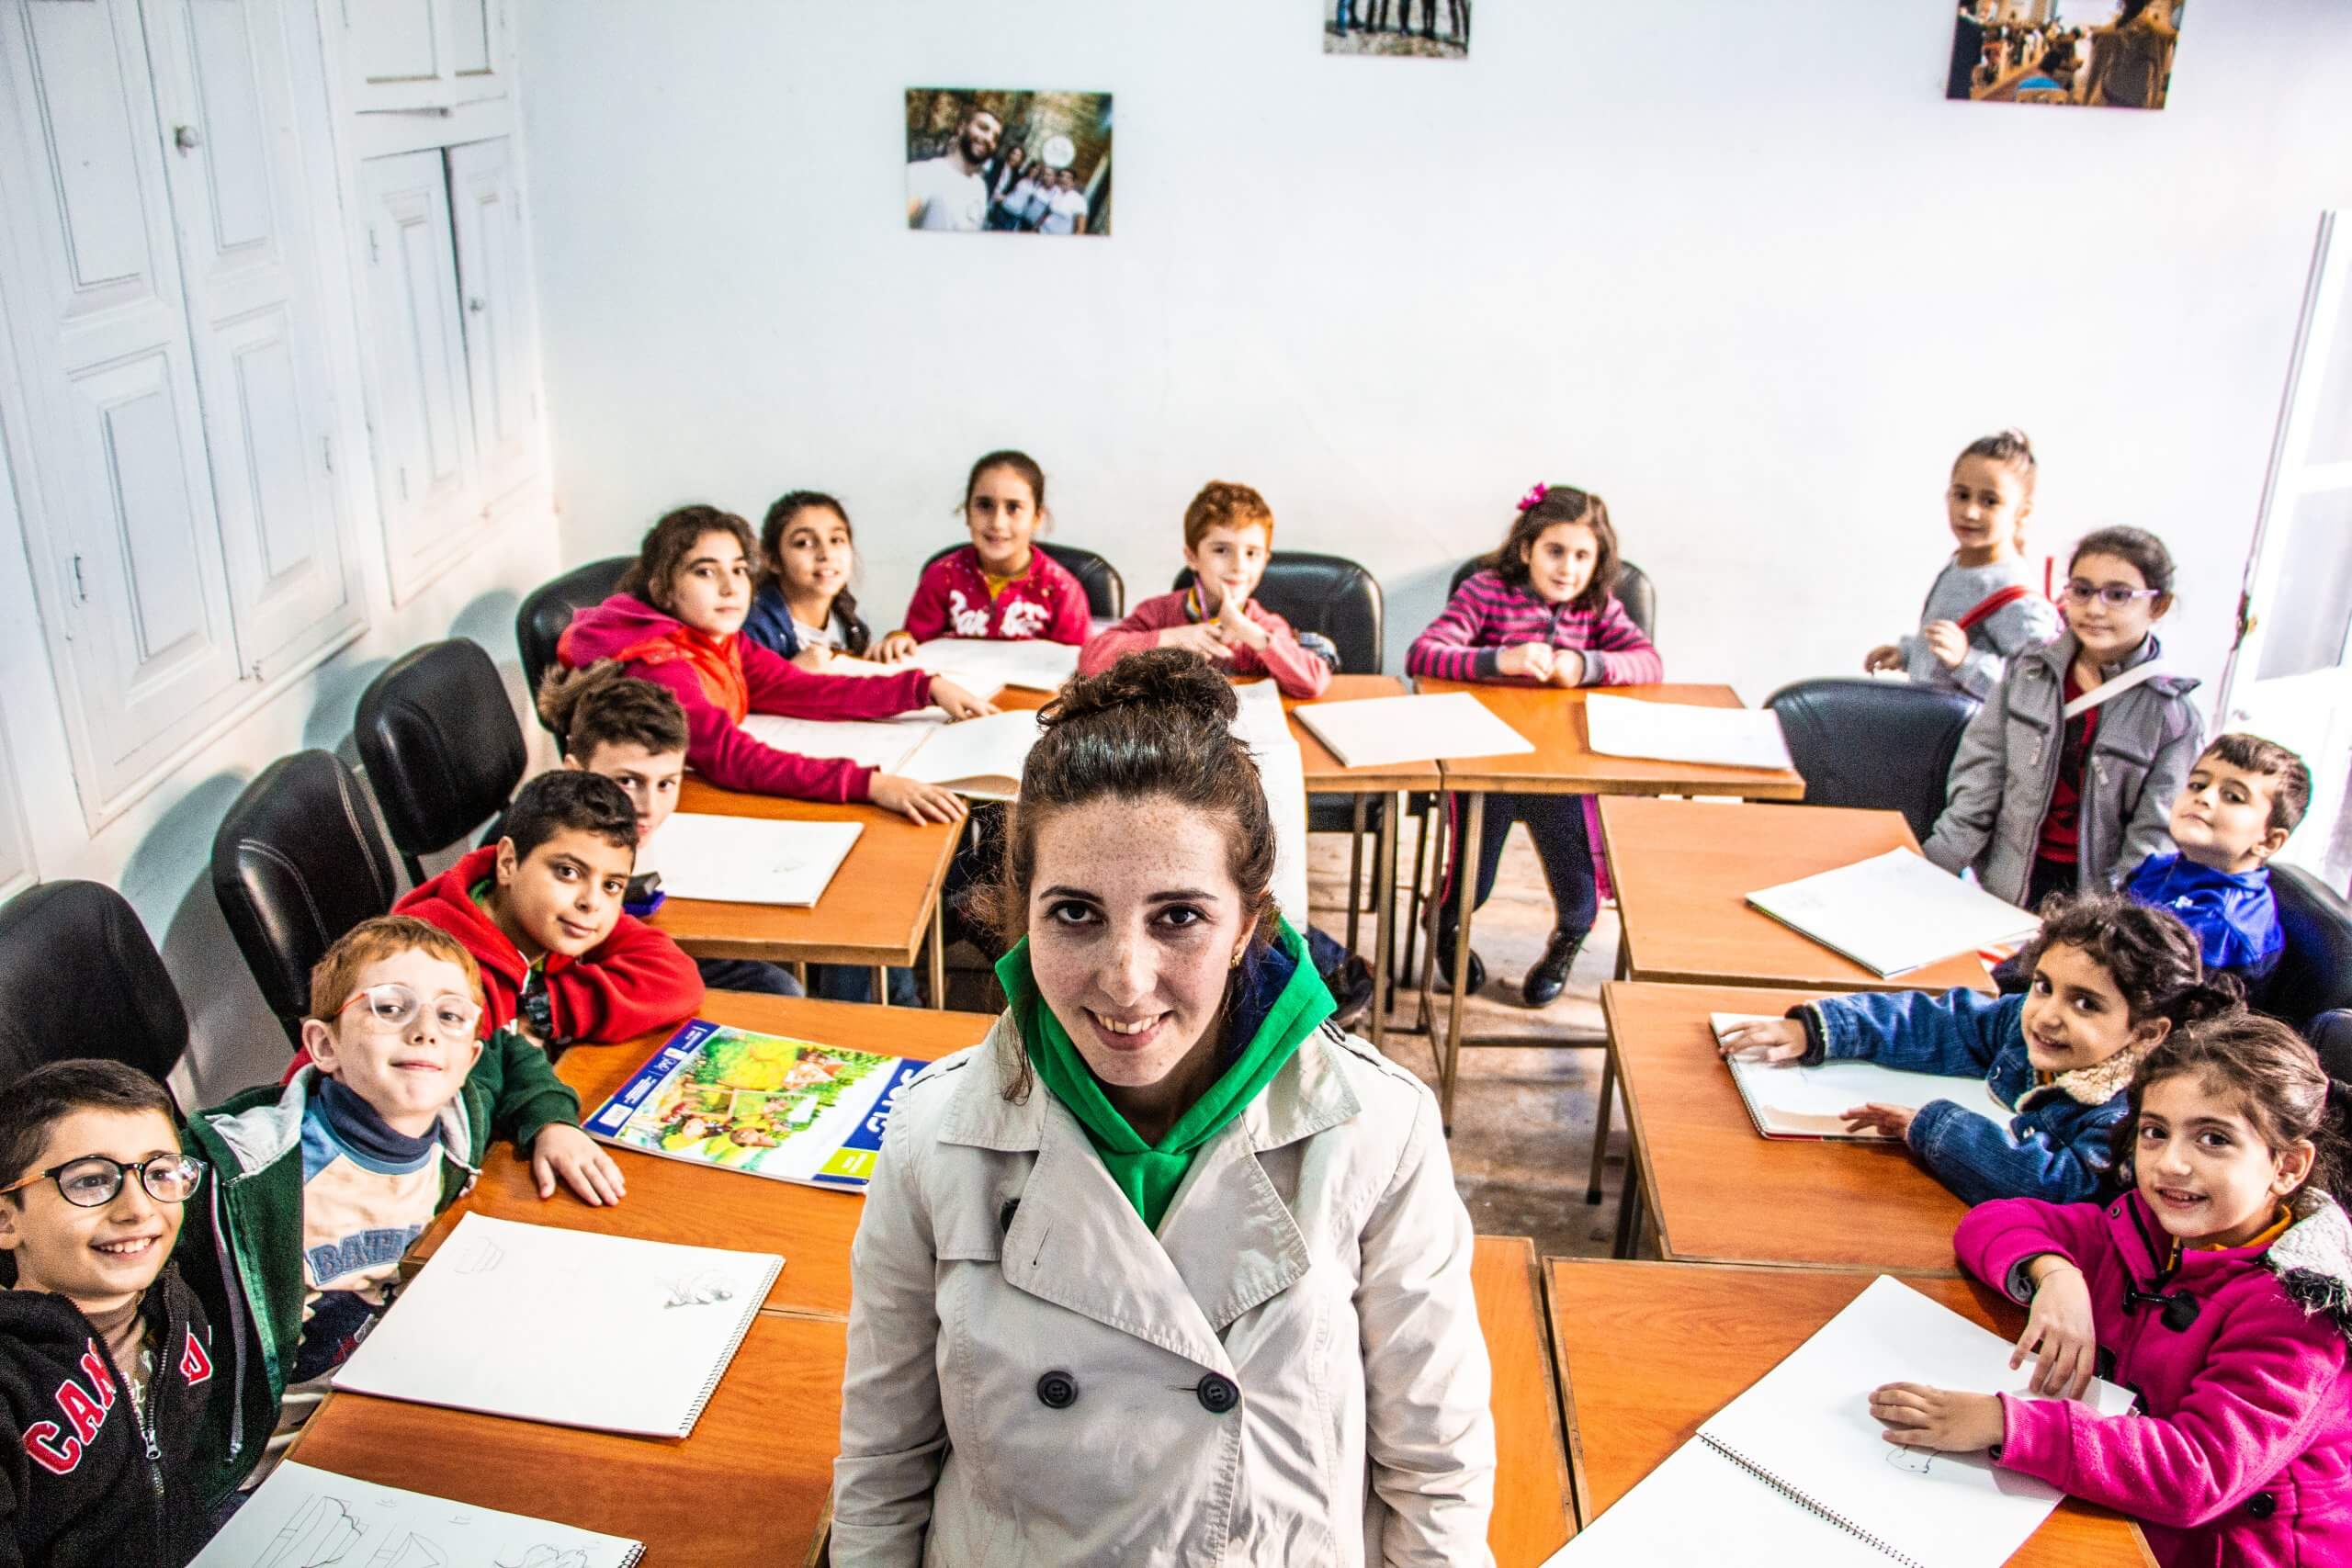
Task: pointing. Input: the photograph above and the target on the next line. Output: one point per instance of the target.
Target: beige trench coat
(1291, 1373)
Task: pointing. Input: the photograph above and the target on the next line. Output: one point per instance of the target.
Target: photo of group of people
(2104, 53)
(1386, 27)
(1012, 162)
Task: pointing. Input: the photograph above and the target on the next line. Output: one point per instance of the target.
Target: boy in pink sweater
(1228, 533)
(2218, 1289)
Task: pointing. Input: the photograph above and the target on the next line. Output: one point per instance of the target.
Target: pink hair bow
(1534, 497)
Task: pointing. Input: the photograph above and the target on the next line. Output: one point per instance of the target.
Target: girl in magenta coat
(2219, 1289)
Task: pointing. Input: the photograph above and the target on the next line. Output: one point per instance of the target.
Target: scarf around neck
(1281, 1001)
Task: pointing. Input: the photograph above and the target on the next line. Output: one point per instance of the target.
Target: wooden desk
(876, 911)
(678, 1200)
(1649, 1351)
(1532, 1519)
(1684, 869)
(1724, 1193)
(753, 1487)
(1564, 762)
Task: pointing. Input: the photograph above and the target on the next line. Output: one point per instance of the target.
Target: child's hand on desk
(1885, 656)
(1918, 1416)
(1202, 640)
(1530, 660)
(1763, 1040)
(913, 799)
(1893, 1121)
(2058, 1332)
(959, 702)
(895, 647)
(1567, 668)
(572, 1155)
(1947, 642)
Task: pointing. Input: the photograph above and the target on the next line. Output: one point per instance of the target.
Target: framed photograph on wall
(1008, 163)
(2096, 53)
(1419, 30)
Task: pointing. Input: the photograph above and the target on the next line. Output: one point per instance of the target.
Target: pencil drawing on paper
(318, 1535)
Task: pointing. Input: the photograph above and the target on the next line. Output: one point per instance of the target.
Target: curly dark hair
(2154, 960)
(668, 544)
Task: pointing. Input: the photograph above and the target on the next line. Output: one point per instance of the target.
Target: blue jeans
(747, 974)
(1556, 822)
(1347, 15)
(854, 983)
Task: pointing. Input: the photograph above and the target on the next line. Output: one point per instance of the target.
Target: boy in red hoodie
(540, 911)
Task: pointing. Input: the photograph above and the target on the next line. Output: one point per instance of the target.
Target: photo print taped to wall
(1008, 163)
(2096, 53)
(1417, 29)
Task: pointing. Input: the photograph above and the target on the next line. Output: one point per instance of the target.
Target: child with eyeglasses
(325, 1184)
(106, 1359)
(2064, 779)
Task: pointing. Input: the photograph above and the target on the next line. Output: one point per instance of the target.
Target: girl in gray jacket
(2066, 777)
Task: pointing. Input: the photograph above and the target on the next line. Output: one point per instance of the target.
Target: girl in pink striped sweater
(1540, 611)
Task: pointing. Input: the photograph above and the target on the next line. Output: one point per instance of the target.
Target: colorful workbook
(302, 1517)
(507, 1319)
(1786, 1100)
(1685, 732)
(1372, 732)
(1795, 1471)
(747, 860)
(788, 1110)
(1894, 913)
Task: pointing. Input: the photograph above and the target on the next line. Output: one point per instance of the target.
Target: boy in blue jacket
(2243, 797)
(2111, 979)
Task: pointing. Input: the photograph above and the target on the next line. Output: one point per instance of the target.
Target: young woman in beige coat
(1166, 1271)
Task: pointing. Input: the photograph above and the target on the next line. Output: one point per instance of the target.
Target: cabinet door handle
(186, 138)
(474, 304)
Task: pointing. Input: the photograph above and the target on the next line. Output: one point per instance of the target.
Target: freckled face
(1134, 919)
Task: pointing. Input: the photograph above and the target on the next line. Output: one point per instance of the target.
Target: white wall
(1741, 268)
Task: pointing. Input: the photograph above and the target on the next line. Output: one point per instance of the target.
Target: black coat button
(2262, 1505)
(1058, 1391)
(1217, 1393)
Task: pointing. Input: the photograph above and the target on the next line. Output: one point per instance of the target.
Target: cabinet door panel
(420, 406)
(395, 53)
(493, 271)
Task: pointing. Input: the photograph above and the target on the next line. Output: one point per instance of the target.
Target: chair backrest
(549, 607)
(80, 977)
(1106, 590)
(295, 864)
(1635, 591)
(442, 748)
(1329, 594)
(1886, 745)
(2314, 974)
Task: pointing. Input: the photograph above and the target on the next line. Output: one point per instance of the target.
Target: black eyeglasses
(94, 1181)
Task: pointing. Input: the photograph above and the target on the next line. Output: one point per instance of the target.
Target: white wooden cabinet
(494, 280)
(425, 56)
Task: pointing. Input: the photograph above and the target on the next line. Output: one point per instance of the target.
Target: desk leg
(1384, 939)
(1465, 864)
(938, 954)
(881, 986)
(1424, 1018)
(1600, 1114)
(1355, 867)
(1629, 1212)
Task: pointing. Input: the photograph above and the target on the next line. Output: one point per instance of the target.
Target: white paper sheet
(1265, 729)
(302, 1517)
(1697, 1507)
(1894, 912)
(1680, 732)
(875, 744)
(565, 1327)
(747, 860)
(1806, 1102)
(1376, 731)
(978, 757)
(983, 666)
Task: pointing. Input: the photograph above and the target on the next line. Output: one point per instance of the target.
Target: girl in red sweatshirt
(999, 587)
(677, 622)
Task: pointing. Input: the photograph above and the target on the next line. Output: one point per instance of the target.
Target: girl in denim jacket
(2111, 980)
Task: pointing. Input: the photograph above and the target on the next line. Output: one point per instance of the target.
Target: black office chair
(549, 607)
(1635, 591)
(297, 863)
(2314, 974)
(1106, 590)
(80, 977)
(1328, 594)
(1883, 745)
(442, 748)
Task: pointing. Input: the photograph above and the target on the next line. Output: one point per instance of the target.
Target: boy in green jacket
(323, 1186)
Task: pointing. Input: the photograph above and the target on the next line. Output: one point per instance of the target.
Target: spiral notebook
(568, 1327)
(1794, 1469)
(302, 1517)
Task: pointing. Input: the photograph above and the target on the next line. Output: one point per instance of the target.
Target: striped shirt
(1485, 617)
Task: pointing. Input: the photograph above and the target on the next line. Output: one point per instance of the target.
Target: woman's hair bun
(1175, 679)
